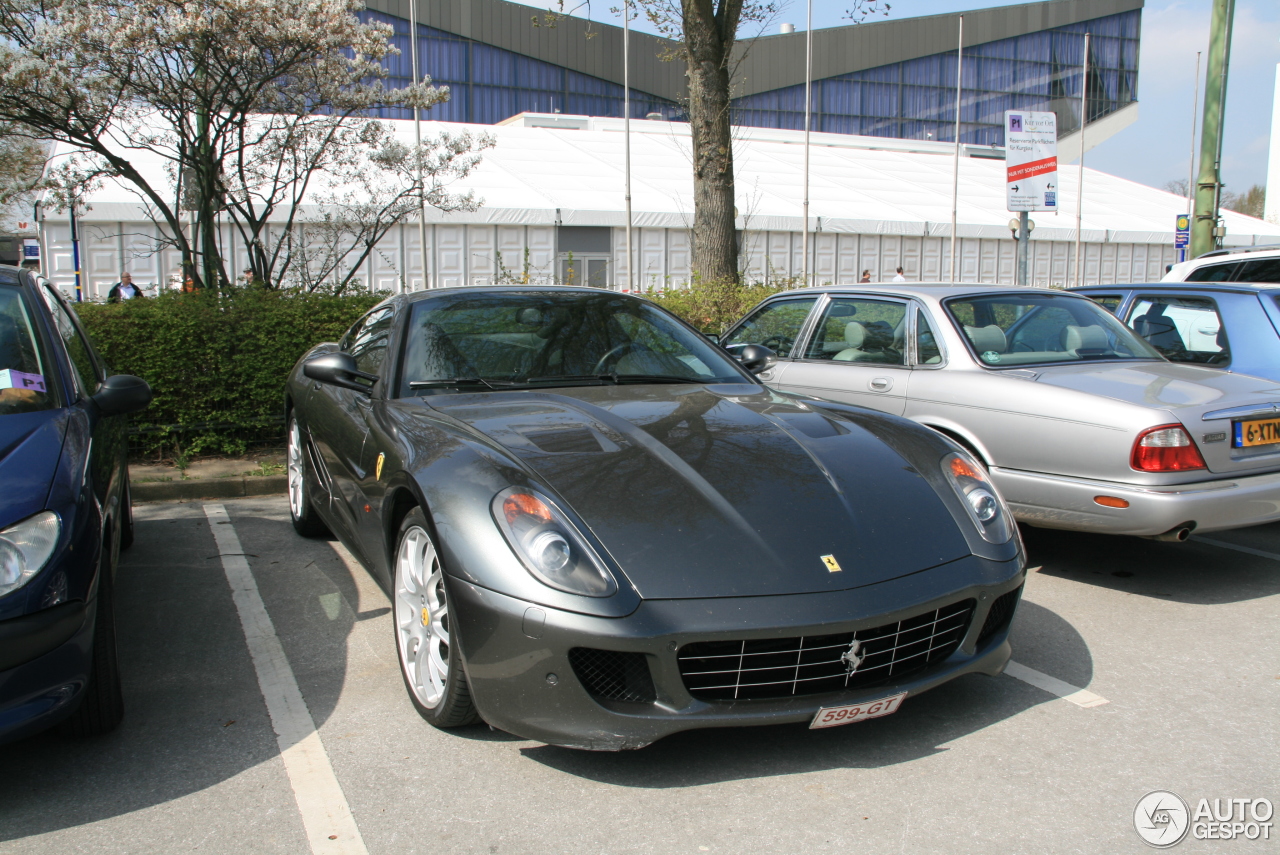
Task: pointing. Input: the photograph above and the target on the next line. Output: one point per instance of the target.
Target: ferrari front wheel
(306, 521)
(430, 661)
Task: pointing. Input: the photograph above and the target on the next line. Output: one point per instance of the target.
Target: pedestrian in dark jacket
(124, 290)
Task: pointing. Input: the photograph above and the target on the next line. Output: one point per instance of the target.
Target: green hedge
(712, 306)
(217, 363)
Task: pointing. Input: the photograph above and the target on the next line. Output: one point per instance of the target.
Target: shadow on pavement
(194, 715)
(1193, 573)
(922, 727)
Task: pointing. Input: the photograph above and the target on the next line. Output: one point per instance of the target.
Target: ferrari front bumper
(523, 679)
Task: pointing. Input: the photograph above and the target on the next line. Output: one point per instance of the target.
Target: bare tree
(371, 196)
(189, 82)
(1251, 203)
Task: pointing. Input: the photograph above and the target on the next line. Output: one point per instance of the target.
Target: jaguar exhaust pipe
(1177, 534)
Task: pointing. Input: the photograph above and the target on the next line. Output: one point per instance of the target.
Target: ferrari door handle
(881, 384)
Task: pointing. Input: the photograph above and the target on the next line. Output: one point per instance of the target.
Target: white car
(1243, 264)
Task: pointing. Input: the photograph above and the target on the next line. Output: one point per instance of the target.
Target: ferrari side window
(775, 325)
(367, 342)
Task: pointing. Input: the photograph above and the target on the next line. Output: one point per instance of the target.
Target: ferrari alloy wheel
(306, 521)
(429, 658)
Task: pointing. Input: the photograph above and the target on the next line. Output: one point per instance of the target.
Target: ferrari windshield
(538, 338)
(1023, 329)
(23, 387)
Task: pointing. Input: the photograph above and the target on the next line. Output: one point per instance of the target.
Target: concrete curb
(212, 488)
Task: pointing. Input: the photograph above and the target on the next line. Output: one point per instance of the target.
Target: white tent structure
(553, 208)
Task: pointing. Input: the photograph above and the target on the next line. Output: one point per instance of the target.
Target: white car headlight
(25, 548)
(548, 545)
(979, 497)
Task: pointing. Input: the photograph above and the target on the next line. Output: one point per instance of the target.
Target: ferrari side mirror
(338, 369)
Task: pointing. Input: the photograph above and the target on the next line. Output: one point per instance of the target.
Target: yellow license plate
(1261, 432)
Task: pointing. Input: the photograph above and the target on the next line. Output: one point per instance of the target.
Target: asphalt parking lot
(1141, 666)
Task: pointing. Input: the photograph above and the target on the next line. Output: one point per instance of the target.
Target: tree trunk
(708, 41)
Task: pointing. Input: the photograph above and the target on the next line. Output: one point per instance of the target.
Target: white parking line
(1237, 547)
(326, 816)
(1054, 686)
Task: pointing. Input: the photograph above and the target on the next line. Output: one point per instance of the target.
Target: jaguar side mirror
(122, 394)
(338, 369)
(756, 358)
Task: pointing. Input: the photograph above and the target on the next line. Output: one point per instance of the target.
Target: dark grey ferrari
(597, 528)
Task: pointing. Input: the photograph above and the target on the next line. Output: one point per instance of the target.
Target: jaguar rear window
(1005, 330)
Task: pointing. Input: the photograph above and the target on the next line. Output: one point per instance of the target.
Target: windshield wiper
(656, 378)
(458, 381)
(574, 378)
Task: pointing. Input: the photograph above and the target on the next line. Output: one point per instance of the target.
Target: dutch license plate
(1260, 432)
(848, 714)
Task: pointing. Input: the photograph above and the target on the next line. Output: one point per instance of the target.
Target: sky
(1157, 147)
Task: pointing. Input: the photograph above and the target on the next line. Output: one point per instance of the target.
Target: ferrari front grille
(613, 675)
(1000, 615)
(751, 669)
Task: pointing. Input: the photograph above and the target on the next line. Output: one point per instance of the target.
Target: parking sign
(1031, 160)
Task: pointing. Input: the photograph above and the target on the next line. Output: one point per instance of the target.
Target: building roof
(860, 185)
(764, 63)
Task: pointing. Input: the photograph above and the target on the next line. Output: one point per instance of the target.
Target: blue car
(1234, 326)
(64, 514)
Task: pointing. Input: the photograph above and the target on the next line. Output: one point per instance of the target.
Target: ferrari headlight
(25, 548)
(548, 545)
(979, 497)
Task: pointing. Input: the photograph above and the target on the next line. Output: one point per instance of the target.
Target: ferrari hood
(30, 445)
(715, 491)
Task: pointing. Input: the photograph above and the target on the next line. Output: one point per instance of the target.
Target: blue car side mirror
(122, 394)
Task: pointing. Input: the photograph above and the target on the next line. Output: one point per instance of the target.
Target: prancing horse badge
(377, 470)
(833, 566)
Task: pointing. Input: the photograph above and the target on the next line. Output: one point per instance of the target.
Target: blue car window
(1183, 329)
(84, 367)
(24, 380)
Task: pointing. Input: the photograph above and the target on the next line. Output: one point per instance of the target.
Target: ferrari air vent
(1000, 615)
(571, 440)
(782, 667)
(612, 675)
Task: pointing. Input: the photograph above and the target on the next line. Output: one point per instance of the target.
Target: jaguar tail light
(1166, 448)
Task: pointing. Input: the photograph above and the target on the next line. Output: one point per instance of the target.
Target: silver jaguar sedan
(1082, 423)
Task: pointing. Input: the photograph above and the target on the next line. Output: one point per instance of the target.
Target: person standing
(866, 277)
(898, 277)
(124, 289)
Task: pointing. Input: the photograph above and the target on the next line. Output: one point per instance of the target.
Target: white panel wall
(484, 254)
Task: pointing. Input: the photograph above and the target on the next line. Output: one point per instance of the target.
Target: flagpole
(626, 130)
(417, 138)
(1084, 120)
(808, 117)
(955, 165)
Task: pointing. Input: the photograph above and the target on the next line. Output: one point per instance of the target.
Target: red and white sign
(1031, 160)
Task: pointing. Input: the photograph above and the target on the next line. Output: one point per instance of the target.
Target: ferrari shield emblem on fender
(833, 566)
(377, 470)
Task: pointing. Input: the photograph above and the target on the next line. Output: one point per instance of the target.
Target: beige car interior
(992, 346)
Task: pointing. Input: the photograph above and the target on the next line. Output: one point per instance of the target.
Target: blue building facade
(911, 99)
